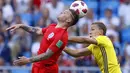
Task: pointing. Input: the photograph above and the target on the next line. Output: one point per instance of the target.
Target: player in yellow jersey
(100, 47)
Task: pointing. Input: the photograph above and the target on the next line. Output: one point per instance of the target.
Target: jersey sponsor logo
(59, 44)
(50, 35)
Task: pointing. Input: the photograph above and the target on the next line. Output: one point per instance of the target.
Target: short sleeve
(101, 40)
(44, 30)
(90, 47)
(58, 44)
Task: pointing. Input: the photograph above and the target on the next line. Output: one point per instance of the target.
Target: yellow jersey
(105, 55)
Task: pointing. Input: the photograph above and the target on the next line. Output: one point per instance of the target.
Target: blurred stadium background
(114, 13)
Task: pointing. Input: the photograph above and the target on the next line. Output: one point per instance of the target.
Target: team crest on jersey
(50, 35)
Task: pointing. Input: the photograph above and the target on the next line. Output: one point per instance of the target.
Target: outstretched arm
(77, 39)
(33, 30)
(77, 53)
(23, 60)
(43, 56)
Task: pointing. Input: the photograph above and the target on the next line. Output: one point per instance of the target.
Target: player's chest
(50, 35)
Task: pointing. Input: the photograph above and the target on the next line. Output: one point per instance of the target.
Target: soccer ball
(80, 7)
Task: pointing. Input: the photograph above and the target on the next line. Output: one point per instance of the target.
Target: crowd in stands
(115, 14)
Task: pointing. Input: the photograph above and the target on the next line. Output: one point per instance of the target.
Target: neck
(61, 25)
(100, 35)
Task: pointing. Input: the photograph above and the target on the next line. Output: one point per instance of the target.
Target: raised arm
(77, 53)
(78, 39)
(33, 30)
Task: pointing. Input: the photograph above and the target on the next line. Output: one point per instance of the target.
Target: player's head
(108, 13)
(97, 28)
(70, 17)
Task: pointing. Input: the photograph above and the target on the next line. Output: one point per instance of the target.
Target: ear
(101, 32)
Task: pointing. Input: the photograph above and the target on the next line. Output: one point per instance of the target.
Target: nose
(90, 34)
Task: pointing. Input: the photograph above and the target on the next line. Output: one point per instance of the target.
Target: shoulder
(102, 40)
(62, 33)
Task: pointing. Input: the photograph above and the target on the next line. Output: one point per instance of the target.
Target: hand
(14, 27)
(21, 61)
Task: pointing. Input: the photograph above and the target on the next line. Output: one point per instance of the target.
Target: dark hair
(75, 15)
(101, 26)
(108, 9)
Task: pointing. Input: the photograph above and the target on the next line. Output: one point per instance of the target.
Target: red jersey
(54, 39)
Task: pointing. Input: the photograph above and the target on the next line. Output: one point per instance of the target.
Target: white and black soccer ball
(80, 7)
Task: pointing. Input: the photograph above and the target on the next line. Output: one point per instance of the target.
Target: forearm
(86, 40)
(78, 53)
(42, 56)
(76, 39)
(29, 29)
(39, 58)
(71, 52)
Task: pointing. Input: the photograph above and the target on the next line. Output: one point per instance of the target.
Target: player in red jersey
(53, 42)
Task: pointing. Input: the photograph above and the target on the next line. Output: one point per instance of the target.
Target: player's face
(64, 16)
(95, 31)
